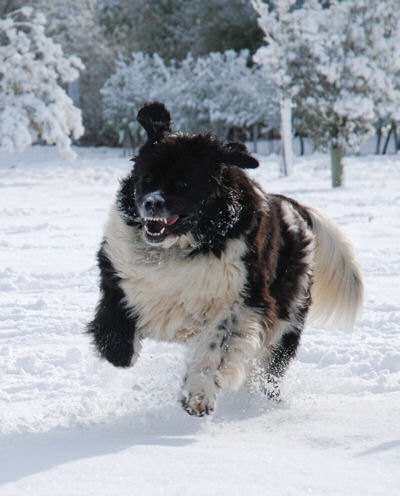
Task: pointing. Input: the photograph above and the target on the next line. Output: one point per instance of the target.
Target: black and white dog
(195, 251)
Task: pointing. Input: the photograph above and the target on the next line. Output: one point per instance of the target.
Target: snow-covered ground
(72, 425)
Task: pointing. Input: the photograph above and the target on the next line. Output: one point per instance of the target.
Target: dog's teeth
(160, 220)
(164, 220)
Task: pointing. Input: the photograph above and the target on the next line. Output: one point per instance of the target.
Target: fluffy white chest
(174, 295)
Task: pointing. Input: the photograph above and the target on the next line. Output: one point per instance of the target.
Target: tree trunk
(378, 140)
(337, 154)
(131, 139)
(235, 134)
(286, 136)
(396, 137)
(301, 145)
(255, 136)
(387, 140)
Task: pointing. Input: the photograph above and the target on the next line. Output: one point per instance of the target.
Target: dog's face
(177, 181)
(173, 181)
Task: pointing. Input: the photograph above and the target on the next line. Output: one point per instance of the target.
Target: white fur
(173, 294)
(178, 298)
(199, 300)
(222, 358)
(337, 290)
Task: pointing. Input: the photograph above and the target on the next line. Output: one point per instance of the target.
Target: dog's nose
(153, 204)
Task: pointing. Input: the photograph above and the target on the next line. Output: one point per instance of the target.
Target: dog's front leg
(113, 328)
(220, 360)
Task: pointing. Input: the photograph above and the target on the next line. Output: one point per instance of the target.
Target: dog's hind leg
(284, 350)
(221, 359)
(278, 362)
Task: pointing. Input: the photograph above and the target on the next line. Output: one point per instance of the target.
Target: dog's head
(180, 184)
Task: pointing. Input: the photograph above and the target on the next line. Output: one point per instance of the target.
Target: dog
(194, 251)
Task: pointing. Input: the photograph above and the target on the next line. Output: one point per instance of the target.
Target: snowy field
(72, 425)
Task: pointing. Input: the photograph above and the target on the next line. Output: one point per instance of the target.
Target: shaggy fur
(194, 251)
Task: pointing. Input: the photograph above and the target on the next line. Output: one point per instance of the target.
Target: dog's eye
(181, 185)
(147, 180)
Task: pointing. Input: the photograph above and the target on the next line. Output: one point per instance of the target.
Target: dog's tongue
(156, 226)
(172, 220)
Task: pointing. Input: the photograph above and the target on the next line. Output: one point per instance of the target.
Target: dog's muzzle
(156, 218)
(153, 205)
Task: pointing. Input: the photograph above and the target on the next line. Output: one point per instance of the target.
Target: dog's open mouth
(157, 229)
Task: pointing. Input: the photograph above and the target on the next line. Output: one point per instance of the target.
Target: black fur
(155, 119)
(185, 185)
(113, 327)
(193, 169)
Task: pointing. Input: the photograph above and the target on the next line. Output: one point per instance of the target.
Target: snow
(72, 425)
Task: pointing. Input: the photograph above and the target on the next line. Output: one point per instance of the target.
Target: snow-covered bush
(134, 82)
(33, 102)
(338, 64)
(217, 92)
(234, 94)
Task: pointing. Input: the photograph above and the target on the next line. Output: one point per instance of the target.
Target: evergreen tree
(151, 27)
(173, 28)
(221, 25)
(75, 25)
(7, 6)
(33, 102)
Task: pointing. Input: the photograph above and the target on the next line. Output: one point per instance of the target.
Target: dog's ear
(237, 154)
(155, 119)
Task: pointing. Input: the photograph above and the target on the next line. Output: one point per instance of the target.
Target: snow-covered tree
(338, 64)
(235, 94)
(133, 83)
(33, 69)
(7, 6)
(74, 24)
(217, 92)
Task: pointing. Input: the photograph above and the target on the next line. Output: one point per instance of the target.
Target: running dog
(195, 251)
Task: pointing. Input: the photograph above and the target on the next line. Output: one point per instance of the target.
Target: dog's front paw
(197, 404)
(199, 395)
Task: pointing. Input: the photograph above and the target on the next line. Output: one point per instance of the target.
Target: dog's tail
(337, 289)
